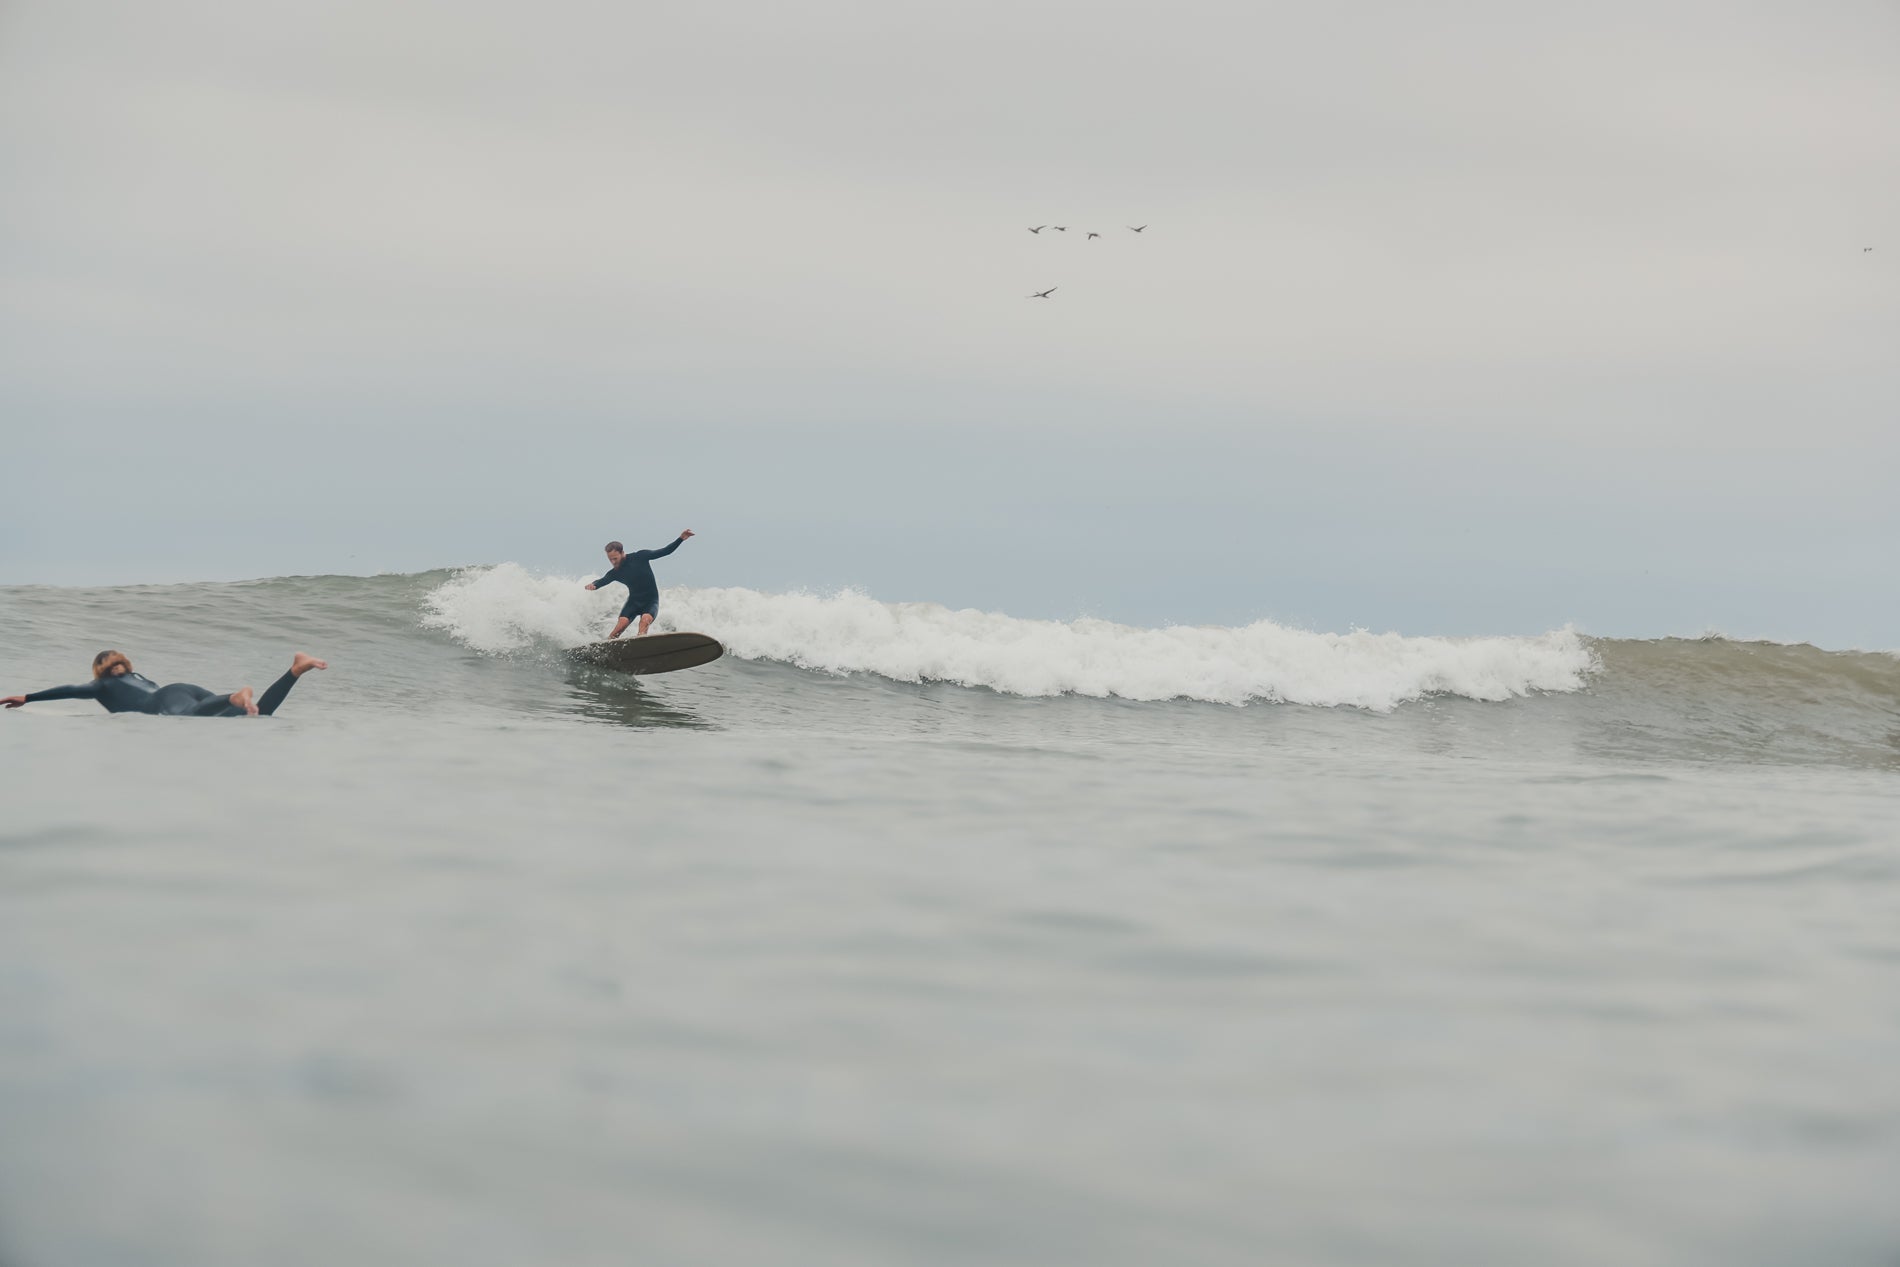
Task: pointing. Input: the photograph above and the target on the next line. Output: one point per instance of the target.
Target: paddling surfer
(121, 690)
(635, 571)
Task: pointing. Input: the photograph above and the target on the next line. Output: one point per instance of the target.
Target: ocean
(906, 935)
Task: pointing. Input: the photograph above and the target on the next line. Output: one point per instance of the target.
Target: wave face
(505, 609)
(840, 662)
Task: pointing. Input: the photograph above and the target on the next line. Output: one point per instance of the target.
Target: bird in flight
(1060, 228)
(1865, 249)
(1039, 228)
(1092, 235)
(1041, 294)
(1136, 228)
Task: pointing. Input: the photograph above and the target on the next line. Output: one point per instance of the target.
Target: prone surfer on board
(635, 571)
(120, 690)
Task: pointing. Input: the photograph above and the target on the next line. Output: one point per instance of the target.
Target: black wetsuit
(635, 571)
(136, 693)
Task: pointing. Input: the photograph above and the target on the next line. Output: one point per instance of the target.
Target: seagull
(1060, 228)
(1093, 235)
(1865, 249)
(1039, 228)
(1041, 294)
(1134, 229)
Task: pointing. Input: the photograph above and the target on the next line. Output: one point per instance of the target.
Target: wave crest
(505, 608)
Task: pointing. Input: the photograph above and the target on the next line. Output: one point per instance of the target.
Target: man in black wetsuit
(635, 571)
(119, 690)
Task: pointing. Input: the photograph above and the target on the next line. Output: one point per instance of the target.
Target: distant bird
(1094, 235)
(1136, 228)
(1865, 249)
(1060, 228)
(1039, 228)
(1041, 294)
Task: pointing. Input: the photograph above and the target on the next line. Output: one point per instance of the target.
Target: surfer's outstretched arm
(662, 553)
(84, 690)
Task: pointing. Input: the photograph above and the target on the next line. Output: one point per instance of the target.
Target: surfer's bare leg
(646, 623)
(620, 626)
(299, 665)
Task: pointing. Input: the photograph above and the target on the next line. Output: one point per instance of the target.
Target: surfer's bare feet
(244, 699)
(302, 664)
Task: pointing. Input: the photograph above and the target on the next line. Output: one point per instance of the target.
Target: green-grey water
(1086, 945)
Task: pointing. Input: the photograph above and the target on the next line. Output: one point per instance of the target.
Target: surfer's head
(615, 552)
(110, 664)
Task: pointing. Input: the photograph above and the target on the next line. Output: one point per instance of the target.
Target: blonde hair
(103, 662)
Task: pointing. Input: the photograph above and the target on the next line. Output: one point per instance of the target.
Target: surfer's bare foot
(244, 699)
(302, 664)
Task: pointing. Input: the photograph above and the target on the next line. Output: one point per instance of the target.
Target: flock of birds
(1063, 228)
(1137, 228)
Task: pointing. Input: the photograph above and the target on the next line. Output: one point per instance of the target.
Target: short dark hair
(615, 545)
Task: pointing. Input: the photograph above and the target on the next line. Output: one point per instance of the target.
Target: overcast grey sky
(1454, 318)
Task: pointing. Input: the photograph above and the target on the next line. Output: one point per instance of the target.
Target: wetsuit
(635, 571)
(136, 693)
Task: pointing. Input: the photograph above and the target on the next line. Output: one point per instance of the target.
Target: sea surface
(904, 935)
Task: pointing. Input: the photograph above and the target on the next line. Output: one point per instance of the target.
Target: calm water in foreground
(1555, 951)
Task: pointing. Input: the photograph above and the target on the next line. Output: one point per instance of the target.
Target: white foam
(505, 608)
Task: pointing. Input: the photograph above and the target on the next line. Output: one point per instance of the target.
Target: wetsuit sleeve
(661, 554)
(85, 690)
(608, 579)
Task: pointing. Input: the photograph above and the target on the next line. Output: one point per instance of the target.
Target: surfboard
(655, 653)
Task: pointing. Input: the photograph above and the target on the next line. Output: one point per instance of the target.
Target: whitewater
(906, 934)
(505, 609)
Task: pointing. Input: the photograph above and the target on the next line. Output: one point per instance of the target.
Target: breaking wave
(505, 609)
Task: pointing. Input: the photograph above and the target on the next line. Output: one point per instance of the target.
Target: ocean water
(907, 935)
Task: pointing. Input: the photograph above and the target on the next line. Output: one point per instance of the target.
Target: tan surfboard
(655, 653)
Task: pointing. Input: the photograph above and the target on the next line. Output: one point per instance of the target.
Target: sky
(1459, 319)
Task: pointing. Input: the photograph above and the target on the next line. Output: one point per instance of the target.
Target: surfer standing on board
(635, 571)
